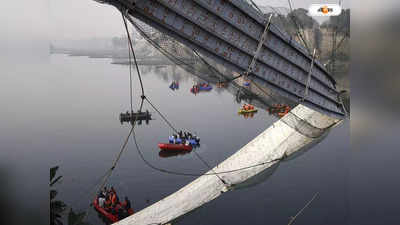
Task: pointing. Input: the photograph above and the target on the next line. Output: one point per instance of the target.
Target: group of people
(195, 89)
(108, 199)
(247, 107)
(174, 85)
(185, 137)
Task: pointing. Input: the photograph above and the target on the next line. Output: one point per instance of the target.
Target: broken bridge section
(229, 32)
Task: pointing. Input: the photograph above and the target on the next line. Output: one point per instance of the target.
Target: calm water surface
(74, 123)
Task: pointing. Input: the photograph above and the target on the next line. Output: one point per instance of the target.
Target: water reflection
(241, 89)
(168, 153)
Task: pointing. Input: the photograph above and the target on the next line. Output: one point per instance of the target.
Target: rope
(308, 203)
(130, 77)
(109, 171)
(133, 52)
(212, 68)
(162, 116)
(209, 167)
(114, 164)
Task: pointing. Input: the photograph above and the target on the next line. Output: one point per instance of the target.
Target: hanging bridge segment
(229, 32)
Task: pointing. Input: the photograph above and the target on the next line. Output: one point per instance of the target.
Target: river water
(68, 115)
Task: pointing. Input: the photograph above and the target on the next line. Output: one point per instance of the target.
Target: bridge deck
(275, 142)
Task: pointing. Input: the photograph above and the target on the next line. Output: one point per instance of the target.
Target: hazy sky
(76, 19)
(79, 19)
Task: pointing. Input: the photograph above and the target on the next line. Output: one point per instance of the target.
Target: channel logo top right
(324, 10)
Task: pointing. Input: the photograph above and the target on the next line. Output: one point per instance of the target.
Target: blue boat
(206, 88)
(174, 85)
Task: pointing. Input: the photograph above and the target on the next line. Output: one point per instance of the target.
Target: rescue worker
(114, 197)
(126, 204)
(101, 198)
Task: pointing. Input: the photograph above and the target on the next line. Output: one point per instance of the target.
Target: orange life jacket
(113, 198)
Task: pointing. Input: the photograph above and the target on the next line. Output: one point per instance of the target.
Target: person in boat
(180, 134)
(104, 191)
(190, 136)
(174, 138)
(114, 197)
(187, 142)
(185, 134)
(101, 198)
(102, 201)
(126, 204)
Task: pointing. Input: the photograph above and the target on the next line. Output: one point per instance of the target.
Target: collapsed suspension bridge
(234, 39)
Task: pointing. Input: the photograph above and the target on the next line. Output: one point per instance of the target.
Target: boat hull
(247, 111)
(174, 147)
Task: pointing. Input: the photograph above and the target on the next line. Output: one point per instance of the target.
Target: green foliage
(301, 18)
(76, 218)
(57, 207)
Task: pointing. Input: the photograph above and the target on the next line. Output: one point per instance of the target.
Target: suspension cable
(108, 173)
(130, 77)
(299, 31)
(209, 167)
(162, 116)
(133, 52)
(165, 119)
(194, 174)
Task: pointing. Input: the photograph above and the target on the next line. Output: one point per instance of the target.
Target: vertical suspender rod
(259, 47)
(309, 76)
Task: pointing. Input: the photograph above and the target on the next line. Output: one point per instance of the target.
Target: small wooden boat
(175, 147)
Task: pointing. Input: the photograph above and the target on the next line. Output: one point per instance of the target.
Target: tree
(58, 207)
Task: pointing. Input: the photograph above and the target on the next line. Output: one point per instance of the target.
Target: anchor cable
(133, 52)
(130, 77)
